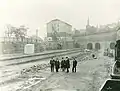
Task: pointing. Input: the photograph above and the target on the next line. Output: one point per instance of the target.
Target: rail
(44, 57)
(38, 54)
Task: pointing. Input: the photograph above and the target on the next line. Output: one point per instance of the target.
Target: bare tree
(18, 32)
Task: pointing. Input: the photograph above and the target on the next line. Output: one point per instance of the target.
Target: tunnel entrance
(97, 46)
(89, 46)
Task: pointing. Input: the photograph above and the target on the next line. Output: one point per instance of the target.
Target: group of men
(64, 64)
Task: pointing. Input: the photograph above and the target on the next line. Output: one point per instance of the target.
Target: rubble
(34, 68)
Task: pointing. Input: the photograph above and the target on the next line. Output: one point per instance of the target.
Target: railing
(87, 34)
(24, 40)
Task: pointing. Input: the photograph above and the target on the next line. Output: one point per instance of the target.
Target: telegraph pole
(65, 41)
(36, 34)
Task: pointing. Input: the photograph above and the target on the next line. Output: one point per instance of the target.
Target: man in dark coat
(57, 65)
(67, 64)
(74, 65)
(52, 64)
(62, 64)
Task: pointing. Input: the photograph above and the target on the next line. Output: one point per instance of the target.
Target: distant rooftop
(59, 20)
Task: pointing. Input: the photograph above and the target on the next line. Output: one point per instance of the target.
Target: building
(59, 32)
(60, 27)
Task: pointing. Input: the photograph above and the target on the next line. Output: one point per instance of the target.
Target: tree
(9, 29)
(18, 32)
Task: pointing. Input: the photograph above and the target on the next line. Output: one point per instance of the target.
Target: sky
(34, 14)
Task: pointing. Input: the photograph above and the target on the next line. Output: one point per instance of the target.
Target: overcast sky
(36, 13)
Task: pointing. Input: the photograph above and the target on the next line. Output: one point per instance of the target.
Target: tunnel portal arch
(97, 46)
(90, 46)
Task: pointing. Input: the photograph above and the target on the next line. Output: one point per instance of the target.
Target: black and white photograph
(59, 45)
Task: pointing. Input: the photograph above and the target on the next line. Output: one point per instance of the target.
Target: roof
(59, 20)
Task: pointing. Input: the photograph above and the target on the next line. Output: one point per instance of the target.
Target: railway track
(38, 54)
(34, 58)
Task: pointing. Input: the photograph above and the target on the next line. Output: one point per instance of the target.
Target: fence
(24, 40)
(13, 45)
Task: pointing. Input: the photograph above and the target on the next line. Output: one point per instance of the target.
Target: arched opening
(112, 45)
(89, 46)
(97, 46)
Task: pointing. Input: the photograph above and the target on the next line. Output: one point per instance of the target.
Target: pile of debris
(34, 68)
(84, 56)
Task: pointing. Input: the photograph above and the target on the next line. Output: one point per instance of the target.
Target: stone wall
(104, 39)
